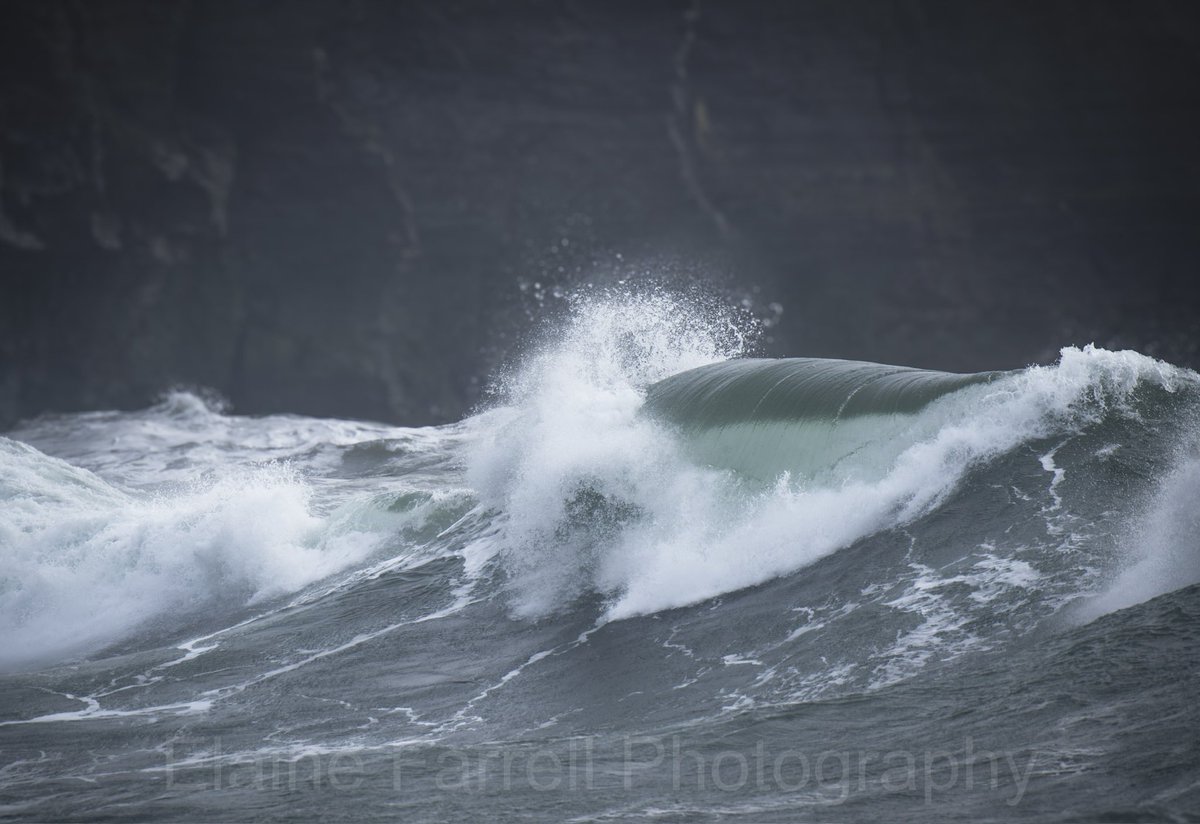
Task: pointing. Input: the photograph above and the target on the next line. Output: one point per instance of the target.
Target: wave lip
(762, 389)
(804, 416)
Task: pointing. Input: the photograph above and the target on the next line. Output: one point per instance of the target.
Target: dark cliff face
(331, 207)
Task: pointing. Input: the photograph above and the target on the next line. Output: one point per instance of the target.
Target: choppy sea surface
(654, 580)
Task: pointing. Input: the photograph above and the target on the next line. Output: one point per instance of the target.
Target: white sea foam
(85, 563)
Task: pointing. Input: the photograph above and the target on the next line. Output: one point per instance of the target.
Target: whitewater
(654, 577)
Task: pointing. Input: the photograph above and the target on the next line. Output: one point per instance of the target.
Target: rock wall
(342, 208)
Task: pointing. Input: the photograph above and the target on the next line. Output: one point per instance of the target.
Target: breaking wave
(660, 470)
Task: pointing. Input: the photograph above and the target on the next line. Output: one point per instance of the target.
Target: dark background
(349, 208)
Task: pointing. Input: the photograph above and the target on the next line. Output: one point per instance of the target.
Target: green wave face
(809, 417)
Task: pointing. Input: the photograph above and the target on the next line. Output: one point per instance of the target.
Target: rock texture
(342, 207)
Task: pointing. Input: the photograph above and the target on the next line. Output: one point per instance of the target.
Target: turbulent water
(653, 580)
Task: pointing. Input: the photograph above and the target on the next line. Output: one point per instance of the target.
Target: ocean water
(653, 579)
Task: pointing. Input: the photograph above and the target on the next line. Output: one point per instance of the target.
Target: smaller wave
(86, 564)
(197, 401)
(186, 434)
(1164, 546)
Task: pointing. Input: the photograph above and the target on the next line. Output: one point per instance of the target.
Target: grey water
(653, 580)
